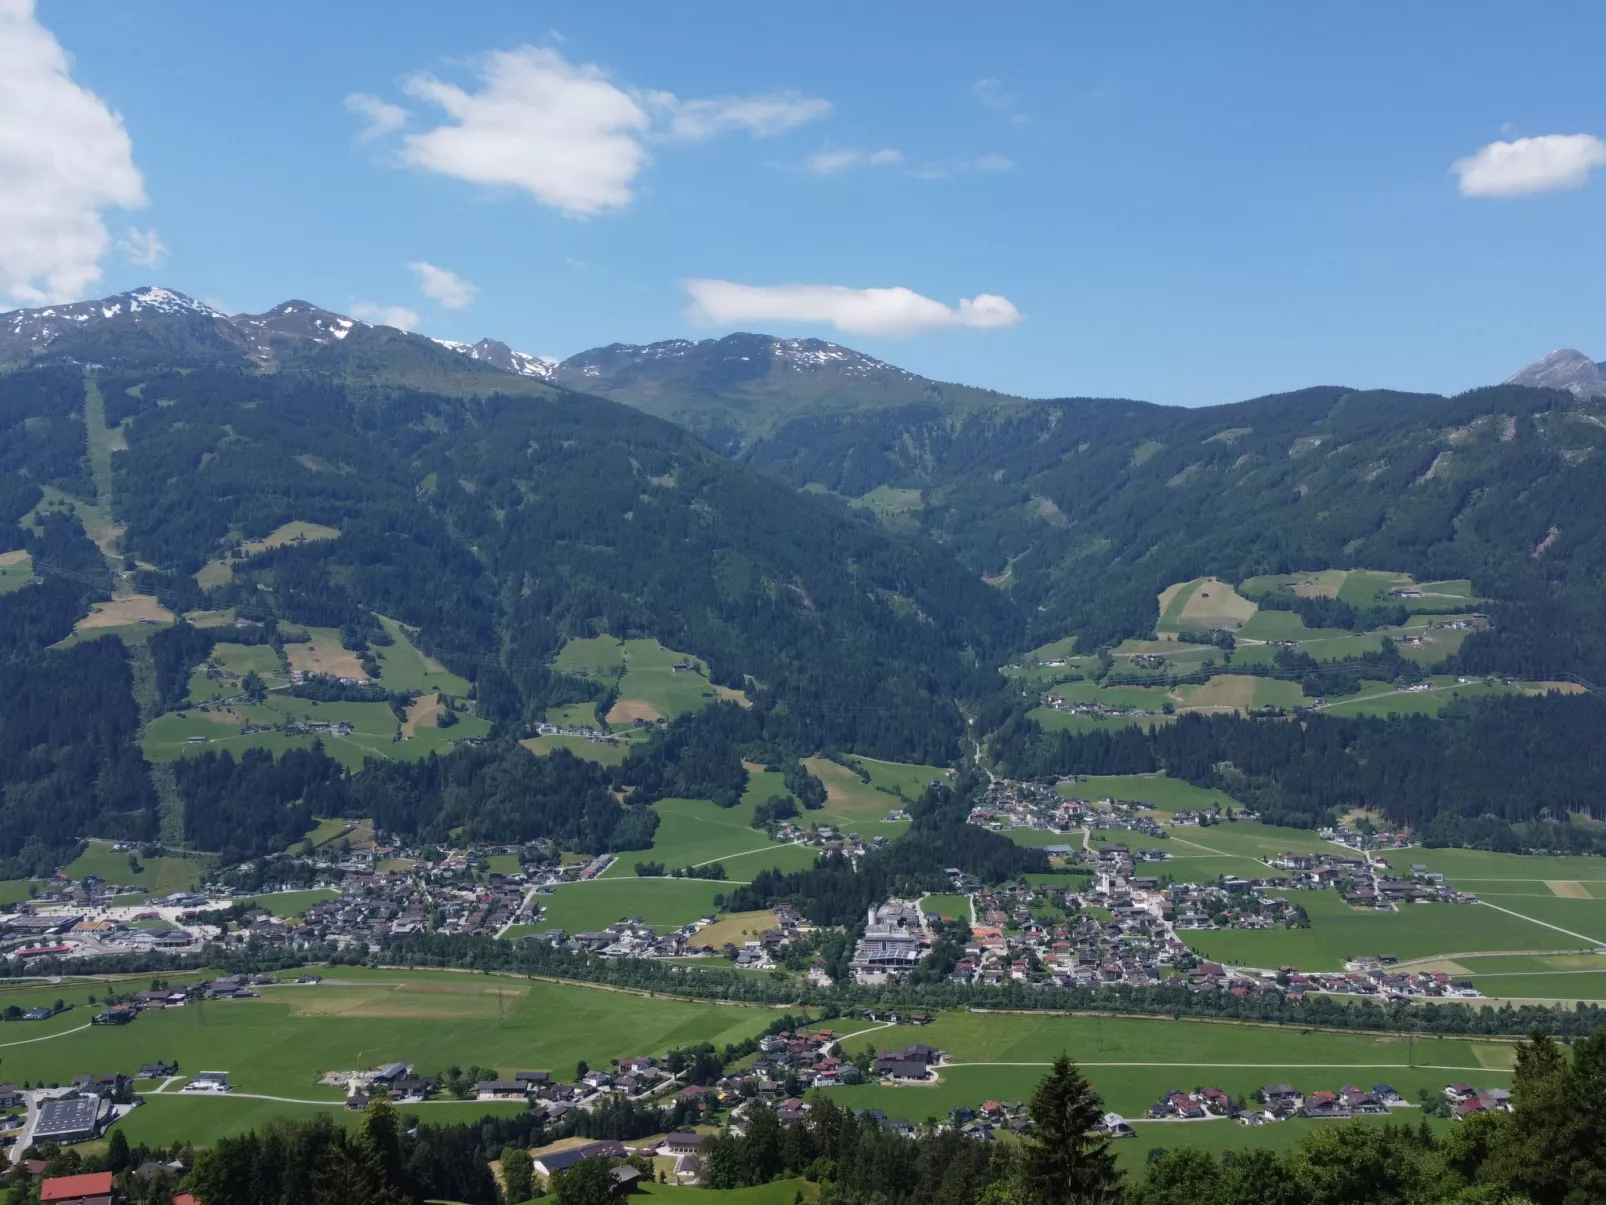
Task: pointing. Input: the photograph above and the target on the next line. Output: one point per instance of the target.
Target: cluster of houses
(896, 937)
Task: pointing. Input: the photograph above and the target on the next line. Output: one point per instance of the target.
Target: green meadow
(1158, 791)
(695, 832)
(374, 731)
(161, 876)
(16, 571)
(662, 904)
(602, 754)
(279, 1044)
(1132, 1062)
(404, 668)
(650, 687)
(1339, 932)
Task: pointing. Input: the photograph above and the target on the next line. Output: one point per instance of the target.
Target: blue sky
(1169, 203)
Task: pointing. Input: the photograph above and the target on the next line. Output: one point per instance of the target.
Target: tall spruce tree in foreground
(1064, 1160)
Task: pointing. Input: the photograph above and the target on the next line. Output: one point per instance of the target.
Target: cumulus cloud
(383, 117)
(143, 248)
(1528, 165)
(564, 132)
(398, 316)
(64, 159)
(447, 288)
(889, 312)
(829, 163)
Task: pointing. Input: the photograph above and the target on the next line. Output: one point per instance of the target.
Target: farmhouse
(95, 1188)
(553, 1162)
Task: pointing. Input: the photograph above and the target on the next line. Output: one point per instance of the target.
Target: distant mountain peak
(500, 355)
(1566, 368)
(726, 356)
(154, 322)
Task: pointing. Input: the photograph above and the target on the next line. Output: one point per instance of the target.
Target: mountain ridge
(152, 323)
(1565, 368)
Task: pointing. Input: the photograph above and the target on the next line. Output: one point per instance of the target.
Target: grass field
(374, 729)
(16, 570)
(650, 688)
(1338, 932)
(293, 903)
(737, 928)
(949, 906)
(279, 1044)
(695, 832)
(239, 660)
(1131, 1062)
(857, 804)
(574, 715)
(1156, 790)
(404, 668)
(296, 532)
(1239, 693)
(322, 653)
(604, 755)
(1378, 698)
(661, 903)
(162, 876)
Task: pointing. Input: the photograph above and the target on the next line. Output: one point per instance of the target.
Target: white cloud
(398, 316)
(763, 115)
(994, 163)
(1529, 165)
(890, 312)
(144, 248)
(383, 117)
(990, 94)
(64, 158)
(447, 288)
(564, 132)
(829, 163)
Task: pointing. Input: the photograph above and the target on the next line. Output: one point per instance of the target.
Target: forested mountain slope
(735, 390)
(1084, 509)
(499, 526)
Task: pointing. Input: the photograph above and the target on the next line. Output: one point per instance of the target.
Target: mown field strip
(1581, 936)
(46, 1038)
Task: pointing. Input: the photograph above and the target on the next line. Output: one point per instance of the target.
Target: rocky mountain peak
(1566, 368)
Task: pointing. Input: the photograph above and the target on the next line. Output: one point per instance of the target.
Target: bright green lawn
(950, 906)
(1131, 1062)
(239, 659)
(662, 903)
(1339, 932)
(356, 1018)
(16, 575)
(574, 715)
(293, 903)
(693, 832)
(162, 876)
(404, 668)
